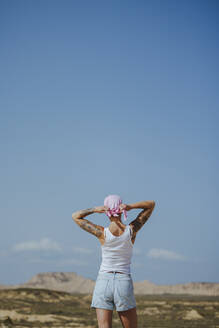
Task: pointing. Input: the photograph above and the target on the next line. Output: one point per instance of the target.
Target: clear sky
(109, 97)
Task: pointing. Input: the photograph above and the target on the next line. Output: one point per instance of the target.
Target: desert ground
(29, 307)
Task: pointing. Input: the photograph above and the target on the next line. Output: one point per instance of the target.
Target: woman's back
(117, 251)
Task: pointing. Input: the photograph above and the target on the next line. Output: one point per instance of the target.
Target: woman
(114, 285)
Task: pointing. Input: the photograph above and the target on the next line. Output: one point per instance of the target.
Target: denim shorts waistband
(114, 274)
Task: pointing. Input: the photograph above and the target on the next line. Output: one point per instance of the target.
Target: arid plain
(28, 306)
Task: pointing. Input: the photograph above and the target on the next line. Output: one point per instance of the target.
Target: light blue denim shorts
(113, 291)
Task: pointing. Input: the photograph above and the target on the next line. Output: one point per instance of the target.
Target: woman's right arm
(143, 216)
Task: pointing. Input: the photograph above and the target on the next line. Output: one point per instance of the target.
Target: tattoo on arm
(83, 213)
(141, 219)
(86, 225)
(90, 227)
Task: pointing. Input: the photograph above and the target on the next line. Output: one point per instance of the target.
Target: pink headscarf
(113, 202)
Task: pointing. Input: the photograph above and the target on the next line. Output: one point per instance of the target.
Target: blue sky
(103, 98)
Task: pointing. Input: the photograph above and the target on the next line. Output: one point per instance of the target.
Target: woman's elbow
(74, 217)
(153, 204)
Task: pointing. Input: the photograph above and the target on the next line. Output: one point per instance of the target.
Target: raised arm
(88, 226)
(143, 216)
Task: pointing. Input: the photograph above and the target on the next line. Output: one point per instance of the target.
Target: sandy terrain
(48, 308)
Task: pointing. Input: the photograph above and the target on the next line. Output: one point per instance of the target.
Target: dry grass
(46, 308)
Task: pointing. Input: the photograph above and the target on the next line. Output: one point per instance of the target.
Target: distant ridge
(72, 283)
(191, 288)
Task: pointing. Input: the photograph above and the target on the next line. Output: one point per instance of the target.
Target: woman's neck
(116, 224)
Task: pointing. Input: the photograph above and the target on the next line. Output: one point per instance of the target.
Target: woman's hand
(101, 209)
(125, 207)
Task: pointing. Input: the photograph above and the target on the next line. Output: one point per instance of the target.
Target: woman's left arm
(88, 226)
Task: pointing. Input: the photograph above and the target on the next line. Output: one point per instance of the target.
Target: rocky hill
(72, 283)
(67, 282)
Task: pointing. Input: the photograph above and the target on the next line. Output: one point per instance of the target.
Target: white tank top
(117, 251)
